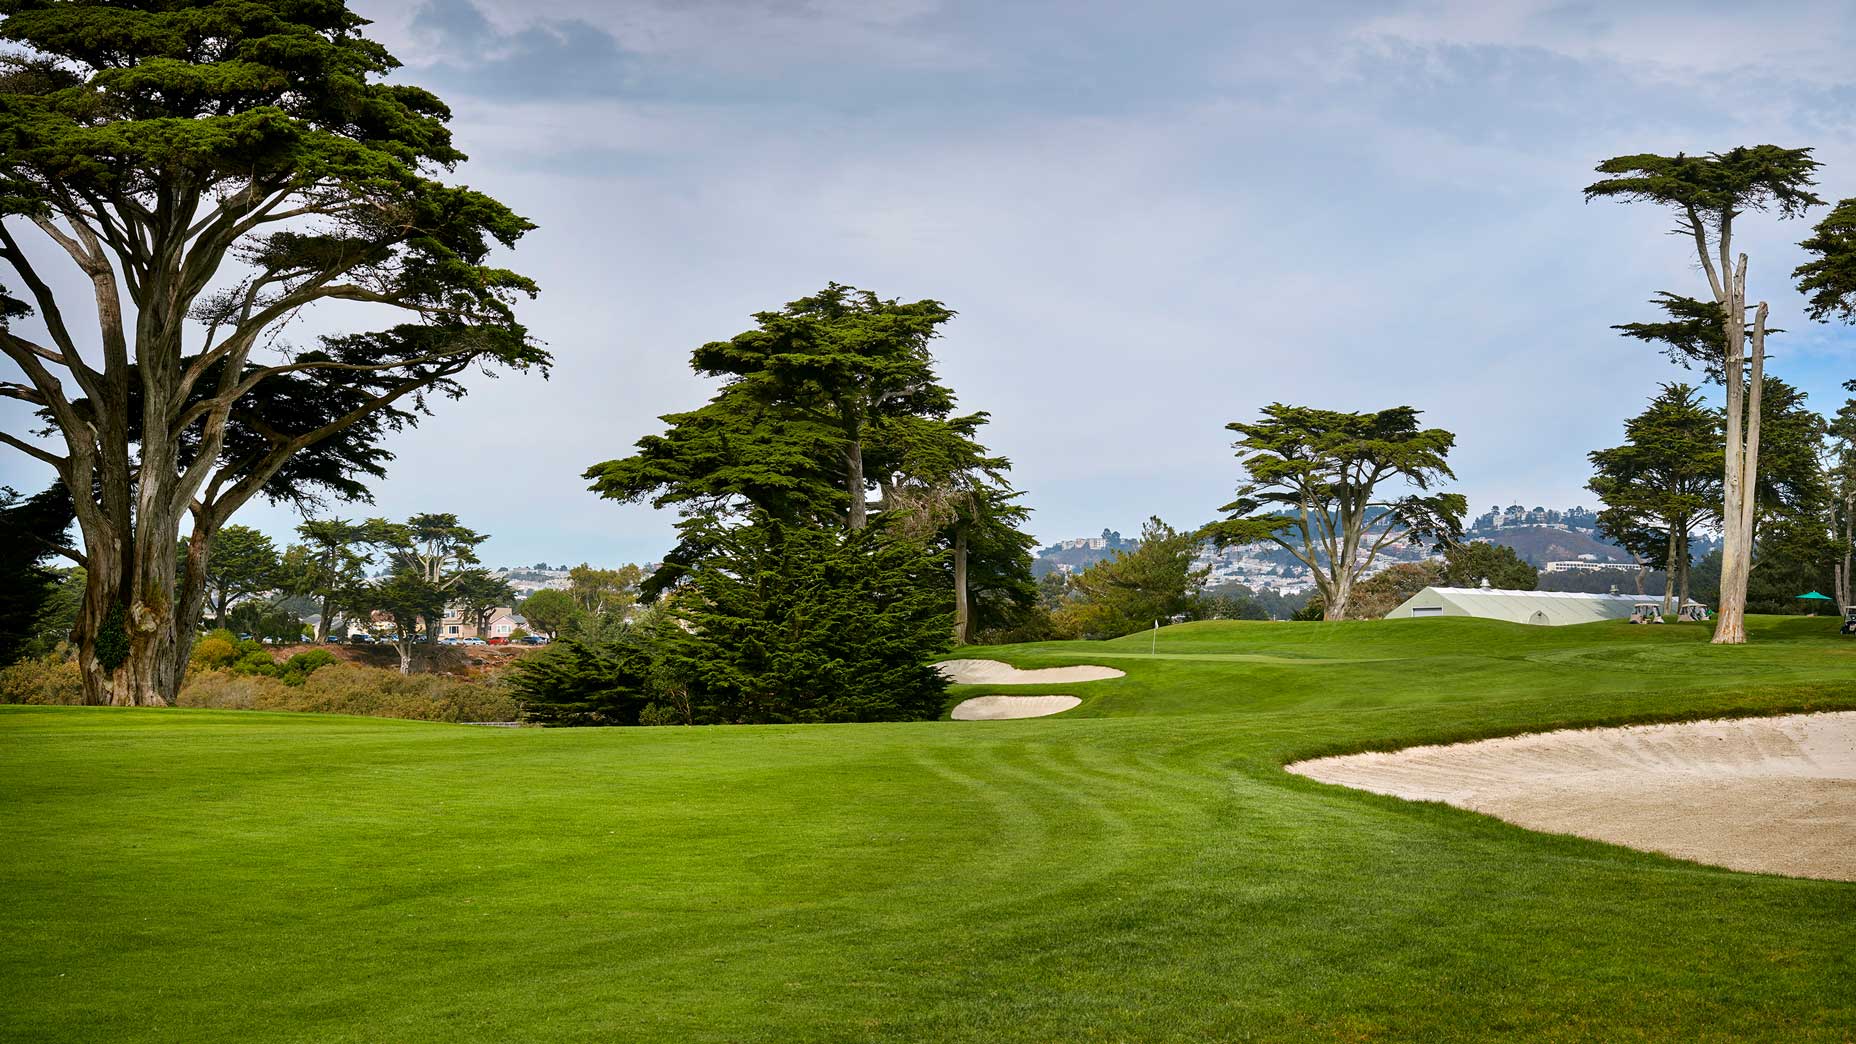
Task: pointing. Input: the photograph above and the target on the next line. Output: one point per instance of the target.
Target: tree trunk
(1669, 571)
(1682, 599)
(1335, 607)
(1739, 477)
(1843, 568)
(404, 648)
(962, 624)
(854, 477)
(135, 629)
(328, 613)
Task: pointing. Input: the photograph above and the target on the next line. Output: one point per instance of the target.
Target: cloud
(1152, 219)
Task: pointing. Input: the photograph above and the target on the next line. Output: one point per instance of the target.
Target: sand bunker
(997, 708)
(1771, 795)
(992, 672)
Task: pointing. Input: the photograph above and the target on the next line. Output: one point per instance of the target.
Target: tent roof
(1558, 607)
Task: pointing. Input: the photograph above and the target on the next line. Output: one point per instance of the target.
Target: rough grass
(1140, 868)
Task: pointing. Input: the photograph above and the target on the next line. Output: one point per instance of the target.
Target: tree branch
(61, 463)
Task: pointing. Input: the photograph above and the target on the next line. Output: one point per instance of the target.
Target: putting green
(1138, 868)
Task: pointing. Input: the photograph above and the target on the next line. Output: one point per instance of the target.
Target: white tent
(1552, 608)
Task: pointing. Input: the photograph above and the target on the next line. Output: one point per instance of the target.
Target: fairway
(1138, 868)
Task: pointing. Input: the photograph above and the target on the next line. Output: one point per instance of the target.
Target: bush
(213, 651)
(45, 681)
(256, 661)
(298, 668)
(222, 691)
(346, 688)
(658, 714)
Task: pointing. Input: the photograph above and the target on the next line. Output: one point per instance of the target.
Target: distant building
(503, 622)
(1583, 564)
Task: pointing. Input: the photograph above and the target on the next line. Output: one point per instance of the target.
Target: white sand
(996, 708)
(1772, 795)
(992, 672)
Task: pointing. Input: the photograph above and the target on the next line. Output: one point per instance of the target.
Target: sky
(1152, 219)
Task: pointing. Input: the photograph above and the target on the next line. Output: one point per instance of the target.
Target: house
(1551, 608)
(503, 622)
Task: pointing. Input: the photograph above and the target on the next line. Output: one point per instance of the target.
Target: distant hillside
(1074, 556)
(1538, 545)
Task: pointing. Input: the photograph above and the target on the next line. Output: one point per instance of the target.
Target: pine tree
(1663, 483)
(791, 623)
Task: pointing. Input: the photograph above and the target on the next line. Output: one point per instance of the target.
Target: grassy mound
(1139, 868)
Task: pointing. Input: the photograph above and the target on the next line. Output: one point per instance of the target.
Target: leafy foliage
(1470, 564)
(1154, 581)
(795, 623)
(1665, 481)
(210, 169)
(550, 610)
(1828, 280)
(1314, 489)
(32, 529)
(242, 562)
(1757, 177)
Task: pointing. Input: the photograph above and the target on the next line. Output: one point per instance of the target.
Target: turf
(1139, 868)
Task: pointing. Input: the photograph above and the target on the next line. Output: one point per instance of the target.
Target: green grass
(1140, 868)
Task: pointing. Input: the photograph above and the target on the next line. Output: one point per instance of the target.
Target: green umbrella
(1813, 596)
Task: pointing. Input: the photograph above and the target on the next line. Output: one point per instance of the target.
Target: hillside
(1538, 545)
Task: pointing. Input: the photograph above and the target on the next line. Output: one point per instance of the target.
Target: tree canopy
(209, 170)
(1316, 487)
(1707, 194)
(1664, 482)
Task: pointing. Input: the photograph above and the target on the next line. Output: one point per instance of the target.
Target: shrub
(46, 680)
(213, 652)
(658, 714)
(255, 661)
(222, 691)
(298, 668)
(346, 688)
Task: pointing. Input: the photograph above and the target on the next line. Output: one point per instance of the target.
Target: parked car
(360, 639)
(500, 640)
(471, 641)
(448, 641)
(535, 639)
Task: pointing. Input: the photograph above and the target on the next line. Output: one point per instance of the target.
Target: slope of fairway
(1138, 868)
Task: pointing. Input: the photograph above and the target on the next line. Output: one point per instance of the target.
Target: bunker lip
(992, 672)
(999, 708)
(1767, 795)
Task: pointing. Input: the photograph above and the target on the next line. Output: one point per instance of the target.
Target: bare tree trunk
(962, 621)
(328, 614)
(1843, 567)
(404, 648)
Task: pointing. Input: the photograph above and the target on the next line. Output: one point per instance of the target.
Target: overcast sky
(1153, 219)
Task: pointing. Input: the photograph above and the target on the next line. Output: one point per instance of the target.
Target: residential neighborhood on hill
(1554, 541)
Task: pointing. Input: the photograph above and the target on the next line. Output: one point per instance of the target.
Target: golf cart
(1849, 620)
(1646, 613)
(1694, 611)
